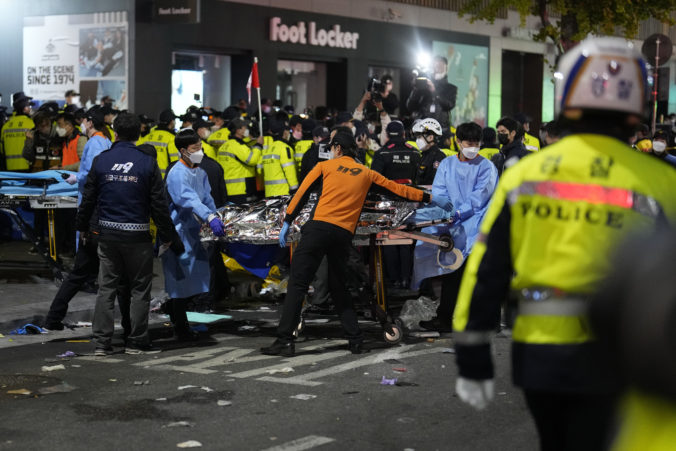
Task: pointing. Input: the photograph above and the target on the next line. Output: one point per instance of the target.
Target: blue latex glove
(217, 227)
(442, 202)
(283, 233)
(456, 217)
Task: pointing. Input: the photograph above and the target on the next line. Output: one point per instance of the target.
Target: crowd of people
(538, 216)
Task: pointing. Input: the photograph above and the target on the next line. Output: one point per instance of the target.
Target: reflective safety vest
(209, 150)
(553, 223)
(368, 156)
(301, 147)
(267, 143)
(112, 133)
(449, 152)
(219, 137)
(13, 137)
(646, 422)
(279, 169)
(163, 141)
(488, 152)
(531, 142)
(70, 155)
(239, 163)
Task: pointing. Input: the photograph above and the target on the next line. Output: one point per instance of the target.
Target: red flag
(253, 79)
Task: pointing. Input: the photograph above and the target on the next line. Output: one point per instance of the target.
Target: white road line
(307, 379)
(296, 362)
(309, 442)
(99, 359)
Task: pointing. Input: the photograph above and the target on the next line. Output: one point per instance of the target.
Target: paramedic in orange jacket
(343, 184)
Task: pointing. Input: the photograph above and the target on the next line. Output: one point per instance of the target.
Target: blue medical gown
(189, 193)
(469, 185)
(94, 146)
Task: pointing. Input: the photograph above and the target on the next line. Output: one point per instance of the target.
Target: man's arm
(398, 189)
(289, 166)
(159, 208)
(483, 189)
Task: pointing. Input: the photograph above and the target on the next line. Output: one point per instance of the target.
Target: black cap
(145, 119)
(344, 140)
(67, 116)
(395, 129)
(200, 123)
(71, 92)
(107, 109)
(522, 118)
(167, 116)
(308, 125)
(276, 126)
(52, 108)
(230, 113)
(360, 128)
(20, 100)
(320, 132)
(95, 115)
(295, 120)
(236, 124)
(190, 116)
(289, 109)
(343, 116)
(107, 99)
(76, 111)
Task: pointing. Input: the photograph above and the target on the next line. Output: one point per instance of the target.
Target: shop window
(200, 79)
(301, 84)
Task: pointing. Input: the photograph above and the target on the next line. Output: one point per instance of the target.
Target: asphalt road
(223, 394)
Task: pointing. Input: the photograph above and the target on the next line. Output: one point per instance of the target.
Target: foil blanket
(261, 222)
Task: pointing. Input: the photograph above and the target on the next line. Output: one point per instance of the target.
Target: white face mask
(61, 131)
(76, 100)
(658, 146)
(354, 130)
(246, 133)
(421, 143)
(196, 158)
(470, 152)
(205, 134)
(440, 76)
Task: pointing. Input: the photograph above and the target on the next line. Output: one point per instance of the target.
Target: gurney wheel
(299, 328)
(395, 335)
(447, 239)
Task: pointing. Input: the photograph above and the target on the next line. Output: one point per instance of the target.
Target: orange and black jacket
(342, 184)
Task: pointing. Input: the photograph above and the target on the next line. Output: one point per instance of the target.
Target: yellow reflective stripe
(157, 143)
(251, 154)
(286, 165)
(13, 157)
(554, 307)
(556, 330)
(240, 180)
(276, 182)
(293, 187)
(269, 156)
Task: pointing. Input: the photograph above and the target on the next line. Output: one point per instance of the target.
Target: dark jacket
(429, 162)
(422, 103)
(125, 188)
(316, 153)
(397, 160)
(216, 180)
(515, 149)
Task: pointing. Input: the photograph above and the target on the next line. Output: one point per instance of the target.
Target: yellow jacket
(279, 169)
(239, 163)
(646, 423)
(209, 150)
(219, 137)
(13, 137)
(531, 142)
(300, 148)
(163, 141)
(488, 152)
(548, 234)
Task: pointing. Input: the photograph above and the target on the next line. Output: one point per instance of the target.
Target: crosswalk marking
(309, 442)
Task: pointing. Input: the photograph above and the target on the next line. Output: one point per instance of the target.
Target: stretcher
(44, 190)
(383, 222)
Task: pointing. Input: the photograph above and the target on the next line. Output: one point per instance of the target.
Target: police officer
(239, 163)
(125, 187)
(426, 132)
(13, 133)
(531, 142)
(510, 137)
(279, 167)
(301, 146)
(203, 130)
(318, 151)
(109, 114)
(220, 136)
(43, 146)
(397, 161)
(162, 138)
(547, 235)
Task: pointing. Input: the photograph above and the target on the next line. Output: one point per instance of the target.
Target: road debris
(222, 402)
(287, 369)
(303, 396)
(189, 444)
(141, 382)
(386, 381)
(53, 368)
(179, 424)
(67, 354)
(20, 391)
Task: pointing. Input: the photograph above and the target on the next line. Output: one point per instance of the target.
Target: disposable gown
(469, 185)
(189, 192)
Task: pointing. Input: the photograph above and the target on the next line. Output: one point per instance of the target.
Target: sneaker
(280, 347)
(102, 352)
(437, 325)
(53, 326)
(134, 349)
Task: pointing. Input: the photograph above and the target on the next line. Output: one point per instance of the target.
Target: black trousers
(85, 269)
(320, 239)
(450, 286)
(572, 421)
(398, 262)
(219, 285)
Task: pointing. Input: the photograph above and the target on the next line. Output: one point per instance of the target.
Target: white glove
(72, 179)
(476, 393)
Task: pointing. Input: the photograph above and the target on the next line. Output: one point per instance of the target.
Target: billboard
(468, 70)
(88, 53)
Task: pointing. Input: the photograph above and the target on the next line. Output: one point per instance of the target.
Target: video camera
(420, 79)
(376, 88)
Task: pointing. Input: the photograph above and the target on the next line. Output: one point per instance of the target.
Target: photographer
(433, 97)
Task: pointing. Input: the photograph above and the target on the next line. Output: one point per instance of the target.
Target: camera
(376, 88)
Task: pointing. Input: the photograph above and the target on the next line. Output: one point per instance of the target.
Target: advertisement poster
(87, 53)
(468, 70)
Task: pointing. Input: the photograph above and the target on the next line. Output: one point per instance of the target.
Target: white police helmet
(602, 74)
(427, 125)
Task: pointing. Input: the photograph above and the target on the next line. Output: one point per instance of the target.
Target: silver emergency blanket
(260, 222)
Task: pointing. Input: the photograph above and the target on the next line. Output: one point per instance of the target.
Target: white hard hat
(427, 125)
(603, 74)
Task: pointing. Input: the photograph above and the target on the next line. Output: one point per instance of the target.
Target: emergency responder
(109, 113)
(530, 142)
(489, 144)
(426, 132)
(239, 163)
(146, 124)
(318, 151)
(73, 141)
(510, 137)
(162, 138)
(397, 161)
(329, 232)
(13, 134)
(125, 188)
(551, 133)
(361, 136)
(43, 146)
(641, 140)
(188, 275)
(302, 145)
(190, 117)
(549, 231)
(217, 119)
(220, 136)
(203, 130)
(464, 184)
(279, 168)
(659, 147)
(72, 98)
(634, 322)
(296, 127)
